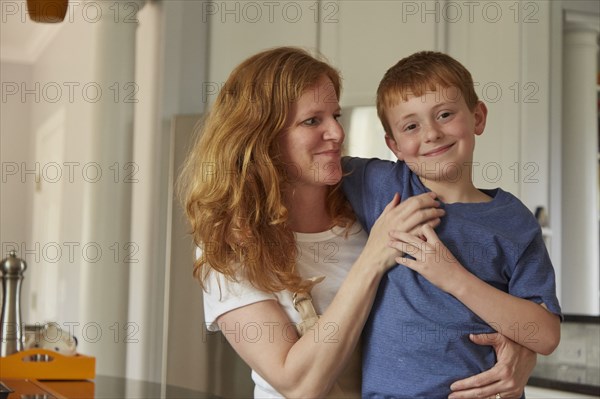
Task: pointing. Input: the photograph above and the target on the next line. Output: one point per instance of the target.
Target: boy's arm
(524, 321)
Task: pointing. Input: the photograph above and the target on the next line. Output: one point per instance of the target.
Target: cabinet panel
(487, 42)
(240, 29)
(537, 96)
(368, 37)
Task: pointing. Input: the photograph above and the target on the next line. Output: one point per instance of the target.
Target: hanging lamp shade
(48, 11)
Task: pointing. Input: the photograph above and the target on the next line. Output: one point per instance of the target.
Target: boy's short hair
(419, 74)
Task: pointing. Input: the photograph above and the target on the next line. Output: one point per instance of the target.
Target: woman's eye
(310, 122)
(337, 117)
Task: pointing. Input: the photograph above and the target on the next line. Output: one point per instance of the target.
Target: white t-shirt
(319, 254)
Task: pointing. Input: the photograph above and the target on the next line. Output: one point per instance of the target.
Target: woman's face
(311, 144)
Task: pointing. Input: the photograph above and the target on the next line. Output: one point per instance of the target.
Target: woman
(261, 189)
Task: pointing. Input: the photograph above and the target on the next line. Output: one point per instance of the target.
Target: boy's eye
(410, 127)
(444, 115)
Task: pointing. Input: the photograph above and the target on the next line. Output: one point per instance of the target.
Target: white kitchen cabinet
(365, 38)
(361, 38)
(506, 48)
(239, 29)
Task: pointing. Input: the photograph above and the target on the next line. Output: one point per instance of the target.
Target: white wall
(50, 86)
(57, 67)
(66, 90)
(15, 149)
(170, 73)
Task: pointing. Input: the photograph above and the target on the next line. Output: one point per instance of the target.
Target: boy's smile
(439, 150)
(435, 134)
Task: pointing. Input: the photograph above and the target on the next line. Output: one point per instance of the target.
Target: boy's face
(435, 133)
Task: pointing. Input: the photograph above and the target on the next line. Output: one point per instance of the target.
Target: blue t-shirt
(416, 340)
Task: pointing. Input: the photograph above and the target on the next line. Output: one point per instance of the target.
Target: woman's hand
(433, 260)
(508, 376)
(407, 217)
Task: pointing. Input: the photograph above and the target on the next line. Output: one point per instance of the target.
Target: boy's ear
(392, 145)
(480, 114)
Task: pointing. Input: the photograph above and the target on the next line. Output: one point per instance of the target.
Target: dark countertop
(120, 388)
(584, 380)
(101, 387)
(558, 372)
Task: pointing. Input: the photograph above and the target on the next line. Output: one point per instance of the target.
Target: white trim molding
(577, 20)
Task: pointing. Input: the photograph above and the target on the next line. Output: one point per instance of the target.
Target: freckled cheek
(409, 147)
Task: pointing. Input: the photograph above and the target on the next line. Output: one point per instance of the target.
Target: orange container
(58, 367)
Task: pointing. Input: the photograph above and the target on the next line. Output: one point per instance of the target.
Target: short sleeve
(353, 183)
(222, 295)
(534, 277)
(361, 185)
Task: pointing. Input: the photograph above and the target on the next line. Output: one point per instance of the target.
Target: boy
(416, 341)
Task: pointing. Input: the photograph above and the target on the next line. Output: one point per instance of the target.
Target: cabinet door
(506, 47)
(365, 38)
(487, 42)
(239, 29)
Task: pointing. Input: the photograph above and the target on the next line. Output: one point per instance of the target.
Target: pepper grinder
(11, 333)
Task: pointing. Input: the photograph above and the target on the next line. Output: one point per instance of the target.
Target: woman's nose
(335, 131)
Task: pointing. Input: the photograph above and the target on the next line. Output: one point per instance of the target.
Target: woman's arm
(308, 366)
(506, 313)
(508, 377)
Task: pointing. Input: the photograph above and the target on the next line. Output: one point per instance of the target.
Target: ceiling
(22, 40)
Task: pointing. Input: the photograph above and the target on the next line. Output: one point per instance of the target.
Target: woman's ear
(392, 145)
(480, 114)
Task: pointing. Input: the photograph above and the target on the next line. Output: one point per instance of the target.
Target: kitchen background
(97, 113)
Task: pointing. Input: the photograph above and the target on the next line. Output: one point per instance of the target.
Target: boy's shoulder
(375, 168)
(509, 214)
(375, 173)
(508, 202)
(356, 164)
